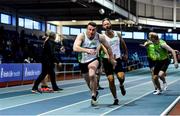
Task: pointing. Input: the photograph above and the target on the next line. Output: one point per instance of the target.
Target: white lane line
(40, 98)
(166, 111)
(60, 83)
(133, 100)
(74, 87)
(50, 97)
(88, 100)
(27, 87)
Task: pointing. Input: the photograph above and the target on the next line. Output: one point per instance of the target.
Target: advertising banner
(31, 71)
(10, 72)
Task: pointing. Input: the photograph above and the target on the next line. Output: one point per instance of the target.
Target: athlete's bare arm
(106, 45)
(105, 50)
(123, 46)
(167, 47)
(108, 48)
(77, 45)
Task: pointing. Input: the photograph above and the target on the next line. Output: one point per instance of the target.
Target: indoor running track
(75, 98)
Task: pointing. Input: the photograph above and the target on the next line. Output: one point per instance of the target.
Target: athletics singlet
(91, 44)
(115, 44)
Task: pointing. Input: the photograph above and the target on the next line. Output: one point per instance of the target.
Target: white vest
(115, 44)
(91, 44)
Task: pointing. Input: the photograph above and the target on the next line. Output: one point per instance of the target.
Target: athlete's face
(91, 31)
(153, 39)
(106, 25)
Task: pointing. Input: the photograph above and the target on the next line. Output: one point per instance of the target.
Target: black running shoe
(100, 88)
(58, 89)
(123, 91)
(116, 102)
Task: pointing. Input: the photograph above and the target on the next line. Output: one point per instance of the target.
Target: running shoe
(47, 89)
(155, 91)
(94, 101)
(58, 89)
(158, 92)
(164, 86)
(100, 88)
(116, 102)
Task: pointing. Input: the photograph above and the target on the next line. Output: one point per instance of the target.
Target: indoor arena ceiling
(58, 9)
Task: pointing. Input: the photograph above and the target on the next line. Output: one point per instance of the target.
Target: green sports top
(161, 53)
(151, 52)
(101, 53)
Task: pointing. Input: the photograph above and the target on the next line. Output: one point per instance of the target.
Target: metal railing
(68, 69)
(72, 69)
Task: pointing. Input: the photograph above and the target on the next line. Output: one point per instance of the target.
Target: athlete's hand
(142, 45)
(176, 65)
(62, 49)
(91, 51)
(113, 62)
(125, 57)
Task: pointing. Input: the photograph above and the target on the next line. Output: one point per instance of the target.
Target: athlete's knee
(161, 74)
(155, 77)
(111, 78)
(92, 68)
(111, 81)
(92, 71)
(120, 75)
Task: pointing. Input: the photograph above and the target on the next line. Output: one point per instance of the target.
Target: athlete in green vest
(152, 58)
(162, 59)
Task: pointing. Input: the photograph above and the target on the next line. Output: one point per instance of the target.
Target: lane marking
(65, 82)
(27, 87)
(89, 100)
(70, 88)
(54, 96)
(133, 100)
(166, 111)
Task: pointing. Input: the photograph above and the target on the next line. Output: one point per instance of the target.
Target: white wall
(159, 9)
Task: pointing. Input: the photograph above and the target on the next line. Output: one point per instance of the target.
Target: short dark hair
(106, 19)
(92, 24)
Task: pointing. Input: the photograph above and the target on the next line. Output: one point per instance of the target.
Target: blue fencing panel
(31, 71)
(10, 72)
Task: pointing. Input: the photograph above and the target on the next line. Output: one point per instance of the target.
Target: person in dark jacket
(48, 63)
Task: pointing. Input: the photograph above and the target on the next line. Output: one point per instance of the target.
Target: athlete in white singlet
(115, 41)
(88, 44)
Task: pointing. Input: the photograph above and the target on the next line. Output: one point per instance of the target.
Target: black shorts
(151, 63)
(84, 66)
(108, 67)
(99, 66)
(161, 66)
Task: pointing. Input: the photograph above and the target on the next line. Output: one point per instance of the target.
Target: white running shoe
(158, 92)
(164, 86)
(154, 91)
